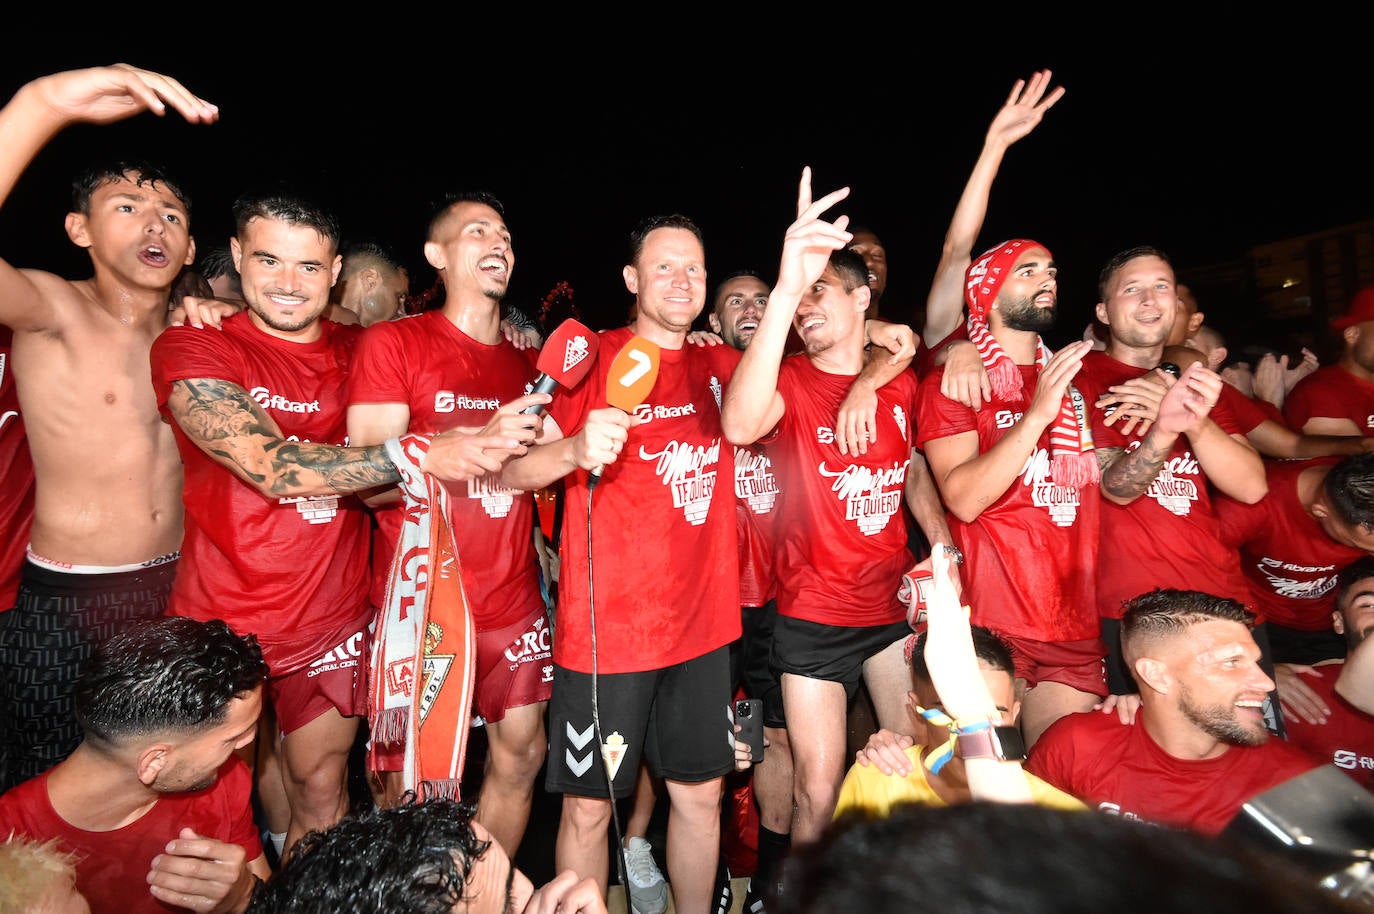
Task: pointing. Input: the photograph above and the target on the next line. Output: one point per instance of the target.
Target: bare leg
(773, 782)
(888, 679)
(642, 812)
(1048, 702)
(816, 723)
(693, 833)
(516, 747)
(581, 844)
(315, 772)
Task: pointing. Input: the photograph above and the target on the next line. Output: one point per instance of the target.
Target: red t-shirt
(293, 571)
(448, 379)
(1331, 392)
(841, 538)
(1292, 566)
(664, 539)
(1347, 737)
(758, 502)
(113, 869)
(1120, 769)
(16, 480)
(1169, 536)
(1030, 557)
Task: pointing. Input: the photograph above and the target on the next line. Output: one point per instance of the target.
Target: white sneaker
(647, 891)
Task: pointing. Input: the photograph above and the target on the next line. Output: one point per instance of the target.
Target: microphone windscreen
(567, 355)
(633, 374)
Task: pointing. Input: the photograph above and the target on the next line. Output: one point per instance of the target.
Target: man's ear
(434, 254)
(1101, 312)
(76, 230)
(1154, 674)
(1195, 322)
(862, 296)
(631, 277)
(151, 761)
(1337, 622)
(236, 254)
(190, 253)
(713, 322)
(1217, 356)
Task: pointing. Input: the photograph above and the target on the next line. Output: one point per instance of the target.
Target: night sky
(1203, 150)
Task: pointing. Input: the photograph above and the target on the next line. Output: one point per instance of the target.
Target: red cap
(1361, 309)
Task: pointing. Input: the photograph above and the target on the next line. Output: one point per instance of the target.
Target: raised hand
(1190, 399)
(1024, 108)
(810, 239)
(103, 95)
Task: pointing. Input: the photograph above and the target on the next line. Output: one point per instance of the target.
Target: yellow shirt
(868, 789)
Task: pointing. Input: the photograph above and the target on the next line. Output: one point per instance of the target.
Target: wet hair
(439, 209)
(1119, 260)
(286, 206)
(1349, 489)
(850, 266)
(359, 255)
(1350, 575)
(987, 647)
(170, 673)
(411, 858)
(140, 172)
(216, 261)
(645, 226)
(989, 858)
(1165, 612)
(737, 274)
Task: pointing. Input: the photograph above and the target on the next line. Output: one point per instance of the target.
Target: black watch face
(1013, 743)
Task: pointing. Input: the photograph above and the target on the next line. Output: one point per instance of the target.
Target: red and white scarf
(1072, 462)
(424, 655)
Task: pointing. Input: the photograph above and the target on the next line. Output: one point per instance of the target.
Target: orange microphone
(632, 376)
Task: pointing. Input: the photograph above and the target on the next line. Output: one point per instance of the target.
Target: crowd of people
(265, 506)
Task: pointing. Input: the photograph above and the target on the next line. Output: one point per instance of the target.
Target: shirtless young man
(107, 527)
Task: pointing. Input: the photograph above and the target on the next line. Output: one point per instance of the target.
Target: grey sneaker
(647, 891)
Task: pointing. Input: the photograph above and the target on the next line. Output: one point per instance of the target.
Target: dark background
(1203, 144)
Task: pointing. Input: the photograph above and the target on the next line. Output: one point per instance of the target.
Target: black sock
(723, 896)
(773, 848)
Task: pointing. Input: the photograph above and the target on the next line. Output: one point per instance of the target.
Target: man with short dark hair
(417, 857)
(153, 799)
(1338, 399)
(1198, 747)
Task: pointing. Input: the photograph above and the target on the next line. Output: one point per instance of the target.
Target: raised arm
(752, 404)
(891, 349)
(1018, 116)
(43, 108)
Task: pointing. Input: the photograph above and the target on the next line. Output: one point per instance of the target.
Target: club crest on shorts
(613, 751)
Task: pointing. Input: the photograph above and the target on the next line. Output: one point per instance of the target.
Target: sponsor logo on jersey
(446, 401)
(268, 400)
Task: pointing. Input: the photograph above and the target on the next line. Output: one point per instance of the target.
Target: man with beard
(1198, 747)
(276, 542)
(1340, 731)
(451, 367)
(840, 541)
(153, 801)
(1019, 481)
(1159, 526)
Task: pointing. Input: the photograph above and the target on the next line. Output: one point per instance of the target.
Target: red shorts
(336, 680)
(514, 669)
(1078, 664)
(514, 666)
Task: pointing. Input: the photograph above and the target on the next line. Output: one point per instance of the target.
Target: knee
(586, 815)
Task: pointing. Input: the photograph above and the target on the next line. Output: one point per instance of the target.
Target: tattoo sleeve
(1127, 474)
(229, 425)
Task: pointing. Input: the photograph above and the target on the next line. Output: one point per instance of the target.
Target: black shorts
(46, 640)
(749, 661)
(677, 719)
(835, 653)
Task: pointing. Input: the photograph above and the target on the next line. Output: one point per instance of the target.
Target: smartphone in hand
(749, 717)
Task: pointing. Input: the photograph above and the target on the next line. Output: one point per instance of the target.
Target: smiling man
(1198, 748)
(840, 539)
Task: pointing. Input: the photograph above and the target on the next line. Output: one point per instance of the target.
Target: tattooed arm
(229, 425)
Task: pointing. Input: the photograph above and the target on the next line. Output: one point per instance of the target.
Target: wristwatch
(955, 554)
(988, 740)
